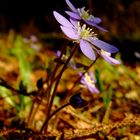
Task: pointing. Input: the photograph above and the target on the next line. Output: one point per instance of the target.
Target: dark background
(120, 17)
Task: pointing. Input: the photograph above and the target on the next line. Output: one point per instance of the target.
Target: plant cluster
(79, 29)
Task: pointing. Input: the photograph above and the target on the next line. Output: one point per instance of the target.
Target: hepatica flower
(84, 36)
(82, 14)
(108, 58)
(88, 81)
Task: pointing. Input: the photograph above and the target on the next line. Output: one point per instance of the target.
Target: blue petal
(100, 28)
(87, 49)
(92, 23)
(103, 45)
(71, 6)
(92, 89)
(96, 20)
(62, 20)
(110, 59)
(73, 21)
(71, 33)
(73, 15)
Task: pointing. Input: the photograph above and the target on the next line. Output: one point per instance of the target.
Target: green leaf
(8, 97)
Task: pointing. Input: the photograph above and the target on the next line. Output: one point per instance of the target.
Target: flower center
(85, 14)
(85, 33)
(89, 80)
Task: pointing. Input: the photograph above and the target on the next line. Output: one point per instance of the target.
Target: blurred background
(29, 38)
(120, 17)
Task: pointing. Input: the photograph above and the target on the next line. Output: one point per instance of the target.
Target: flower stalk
(56, 86)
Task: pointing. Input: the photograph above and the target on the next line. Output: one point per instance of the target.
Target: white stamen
(85, 33)
(85, 14)
(89, 80)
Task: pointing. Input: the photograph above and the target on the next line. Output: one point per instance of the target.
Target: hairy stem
(55, 88)
(51, 115)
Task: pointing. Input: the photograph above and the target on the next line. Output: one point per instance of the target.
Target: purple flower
(82, 14)
(84, 36)
(108, 58)
(88, 81)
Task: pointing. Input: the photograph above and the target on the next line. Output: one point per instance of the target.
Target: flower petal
(96, 20)
(62, 20)
(73, 15)
(93, 89)
(103, 45)
(92, 23)
(74, 21)
(92, 76)
(87, 50)
(100, 28)
(71, 6)
(71, 33)
(110, 59)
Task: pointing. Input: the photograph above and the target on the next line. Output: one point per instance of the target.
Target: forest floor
(113, 114)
